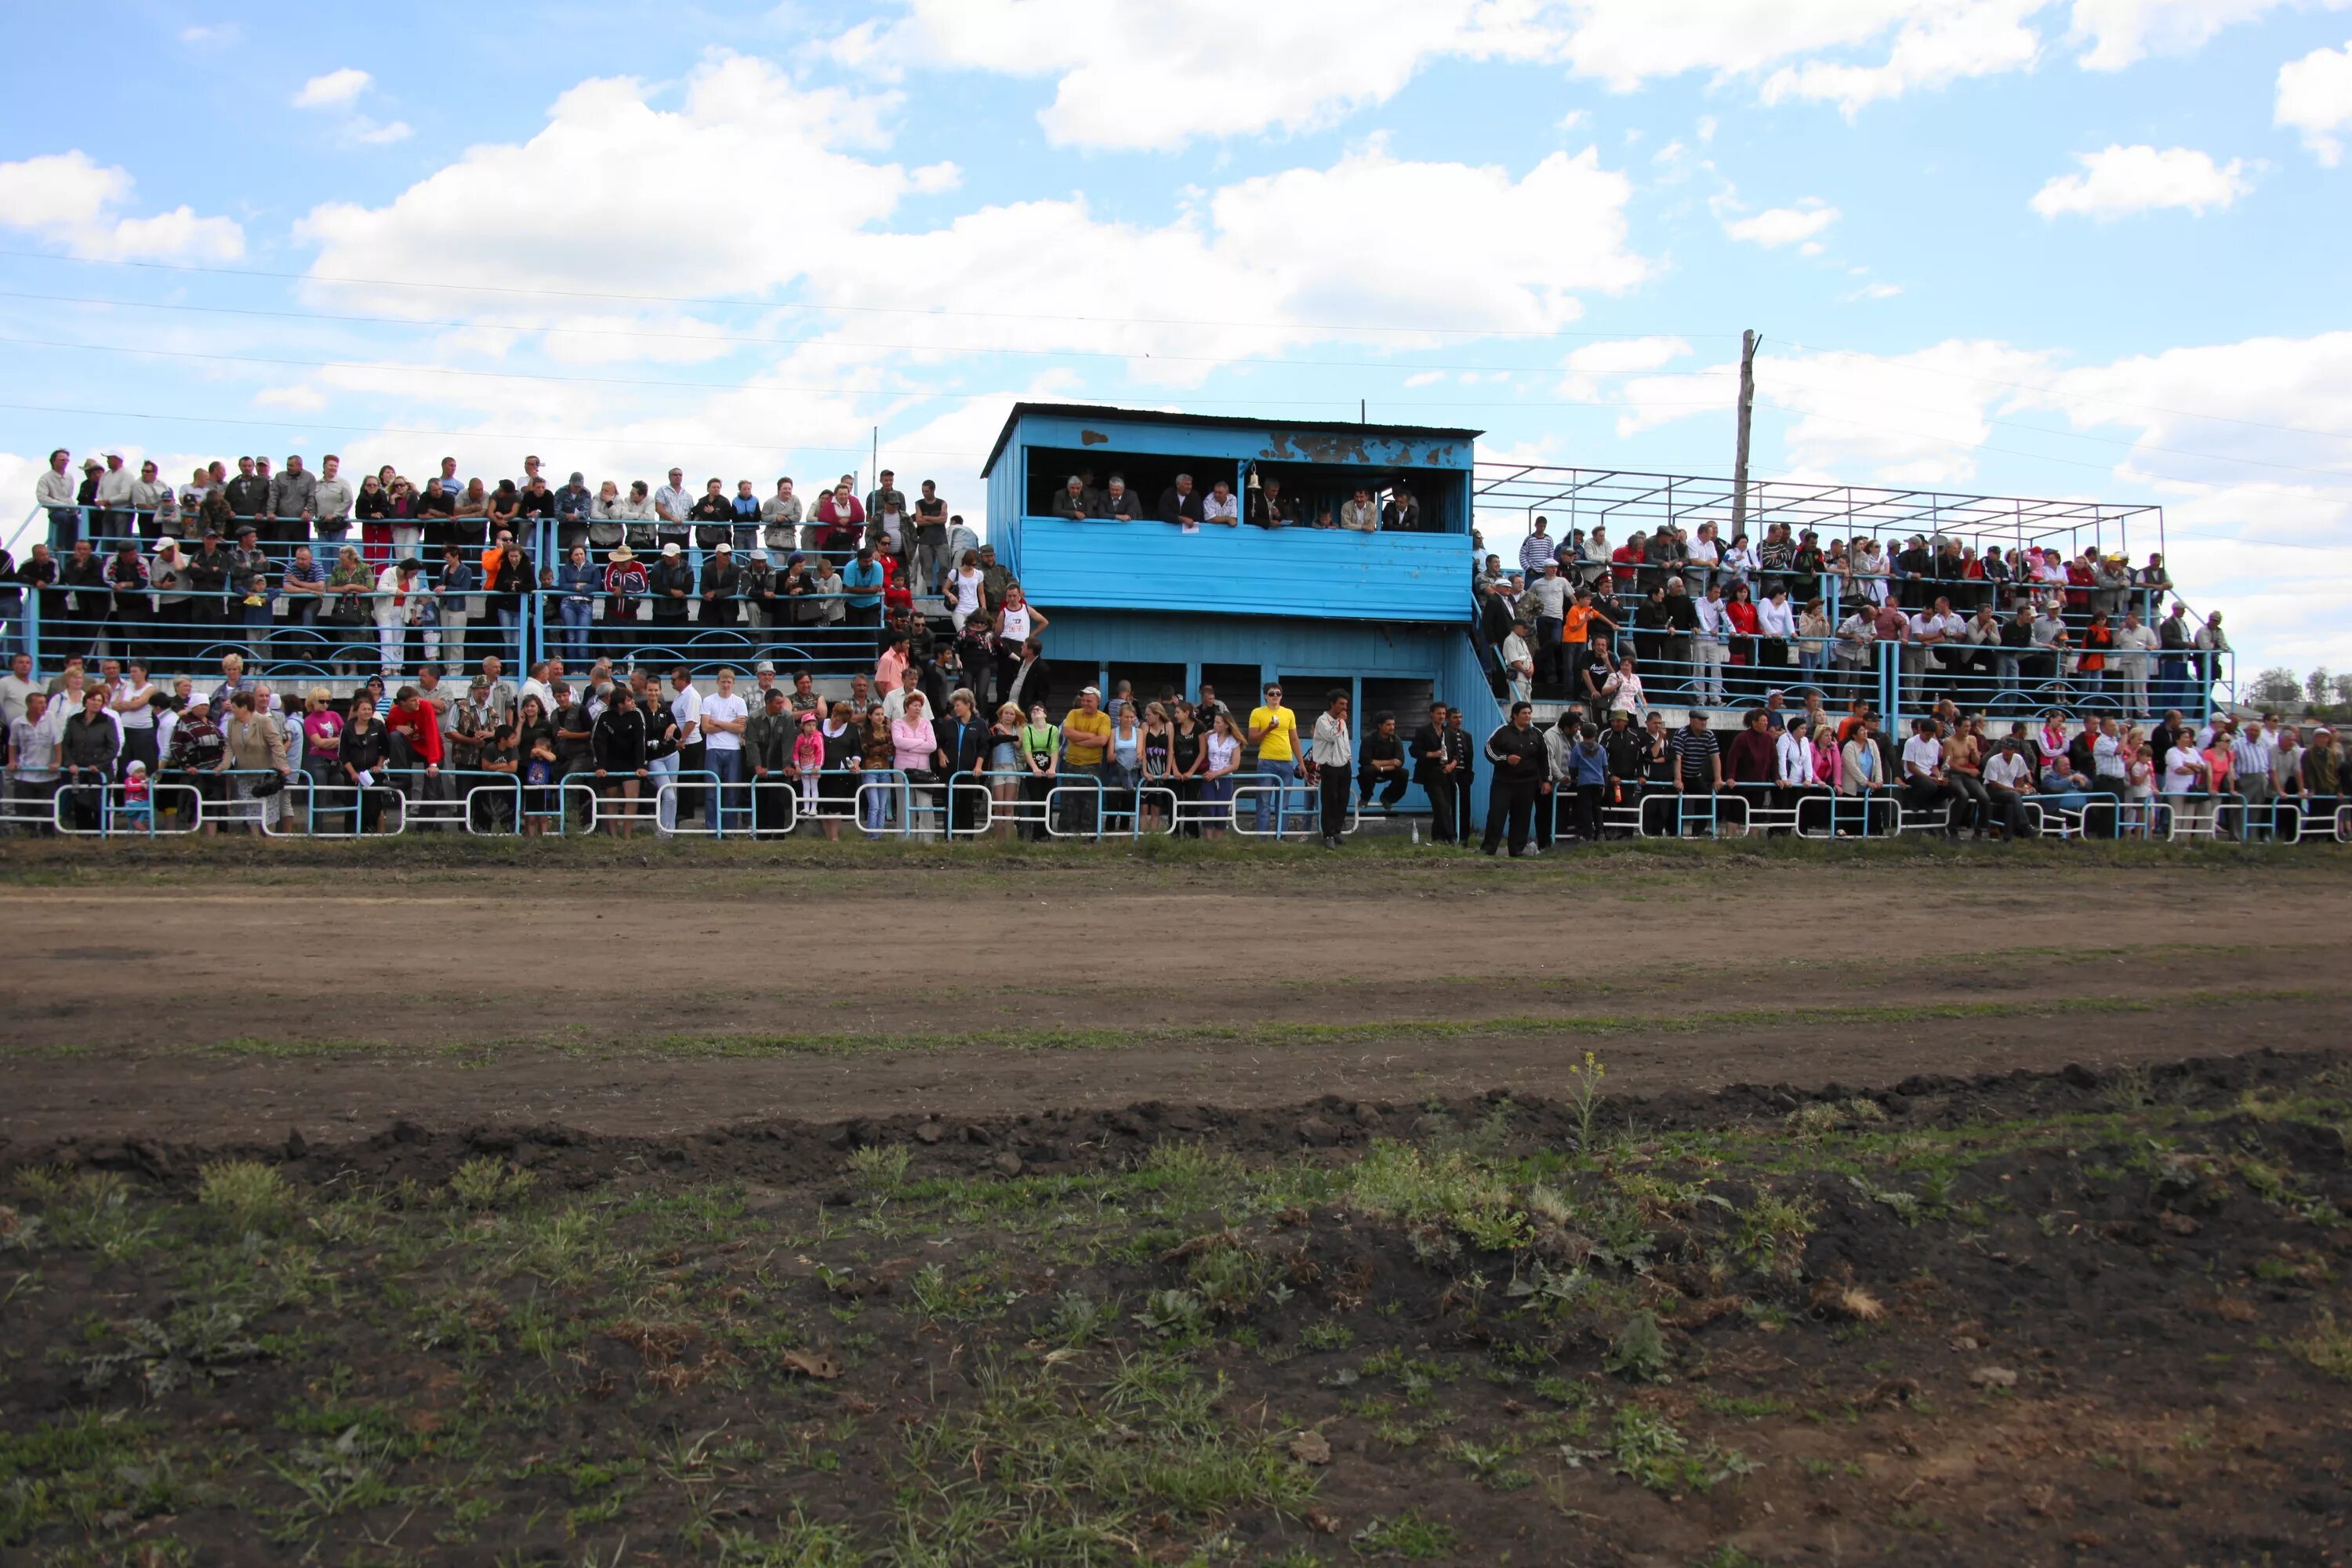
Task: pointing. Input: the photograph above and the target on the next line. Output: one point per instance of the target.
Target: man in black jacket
(248, 494)
(671, 583)
(1383, 765)
(1462, 753)
(1179, 503)
(1521, 766)
(1432, 772)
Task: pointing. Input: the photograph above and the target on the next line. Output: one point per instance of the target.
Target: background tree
(2275, 688)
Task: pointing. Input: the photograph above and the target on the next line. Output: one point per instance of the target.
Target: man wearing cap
(756, 588)
(671, 586)
(886, 513)
(626, 585)
(720, 587)
(573, 503)
(1086, 740)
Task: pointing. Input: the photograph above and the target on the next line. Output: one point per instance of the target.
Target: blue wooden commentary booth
(1383, 614)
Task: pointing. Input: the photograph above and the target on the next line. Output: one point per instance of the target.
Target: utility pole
(1750, 342)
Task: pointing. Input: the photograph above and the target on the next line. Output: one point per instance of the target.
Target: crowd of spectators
(305, 566)
(1699, 621)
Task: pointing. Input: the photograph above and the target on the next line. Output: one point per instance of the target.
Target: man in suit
(1432, 770)
(1179, 502)
(1461, 751)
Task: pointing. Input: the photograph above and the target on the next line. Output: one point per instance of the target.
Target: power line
(664, 442)
(796, 305)
(738, 388)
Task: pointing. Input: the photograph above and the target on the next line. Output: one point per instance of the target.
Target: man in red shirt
(416, 727)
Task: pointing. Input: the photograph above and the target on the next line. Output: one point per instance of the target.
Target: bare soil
(238, 1001)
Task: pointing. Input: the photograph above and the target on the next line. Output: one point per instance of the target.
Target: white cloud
(68, 198)
(213, 37)
(1948, 44)
(1159, 76)
(1590, 367)
(335, 90)
(609, 162)
(2120, 181)
(1776, 227)
(2119, 33)
(368, 133)
(612, 165)
(2314, 96)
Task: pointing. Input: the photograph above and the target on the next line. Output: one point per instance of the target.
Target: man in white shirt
(2135, 645)
(2008, 780)
(1519, 663)
(537, 684)
(1931, 629)
(725, 716)
(672, 504)
(115, 494)
(1548, 594)
(1712, 650)
(1925, 787)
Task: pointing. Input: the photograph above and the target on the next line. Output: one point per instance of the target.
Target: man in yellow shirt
(1273, 731)
(1086, 740)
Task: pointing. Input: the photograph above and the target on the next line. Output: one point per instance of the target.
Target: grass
(1105, 1365)
(1275, 1036)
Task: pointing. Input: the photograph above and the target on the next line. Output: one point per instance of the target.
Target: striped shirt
(1695, 750)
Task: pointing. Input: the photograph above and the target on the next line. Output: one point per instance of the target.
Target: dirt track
(234, 1006)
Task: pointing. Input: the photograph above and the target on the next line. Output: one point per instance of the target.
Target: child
(808, 761)
(257, 615)
(134, 786)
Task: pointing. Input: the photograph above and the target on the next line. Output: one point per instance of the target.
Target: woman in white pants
(395, 589)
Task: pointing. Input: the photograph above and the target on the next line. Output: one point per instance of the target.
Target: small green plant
(1172, 1314)
(880, 1167)
(1230, 1280)
(1639, 1350)
(246, 1193)
(2130, 1089)
(2328, 1347)
(1079, 1318)
(1405, 1535)
(1326, 1335)
(489, 1184)
(1584, 1097)
(1647, 1446)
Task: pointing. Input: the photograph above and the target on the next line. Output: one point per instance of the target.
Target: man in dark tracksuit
(1522, 769)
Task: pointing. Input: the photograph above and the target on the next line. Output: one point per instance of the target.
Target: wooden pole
(1748, 344)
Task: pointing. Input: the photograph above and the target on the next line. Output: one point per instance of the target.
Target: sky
(2086, 248)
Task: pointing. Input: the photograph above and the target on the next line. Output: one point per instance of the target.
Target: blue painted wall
(1322, 573)
(1325, 574)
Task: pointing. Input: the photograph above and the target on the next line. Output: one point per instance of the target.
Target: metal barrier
(1081, 783)
(666, 792)
(1281, 789)
(897, 793)
(1851, 815)
(1701, 808)
(118, 817)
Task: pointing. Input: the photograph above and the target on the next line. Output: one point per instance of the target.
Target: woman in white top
(2184, 784)
(1223, 750)
(964, 588)
(1623, 689)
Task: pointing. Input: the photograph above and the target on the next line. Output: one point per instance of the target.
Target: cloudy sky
(2079, 247)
